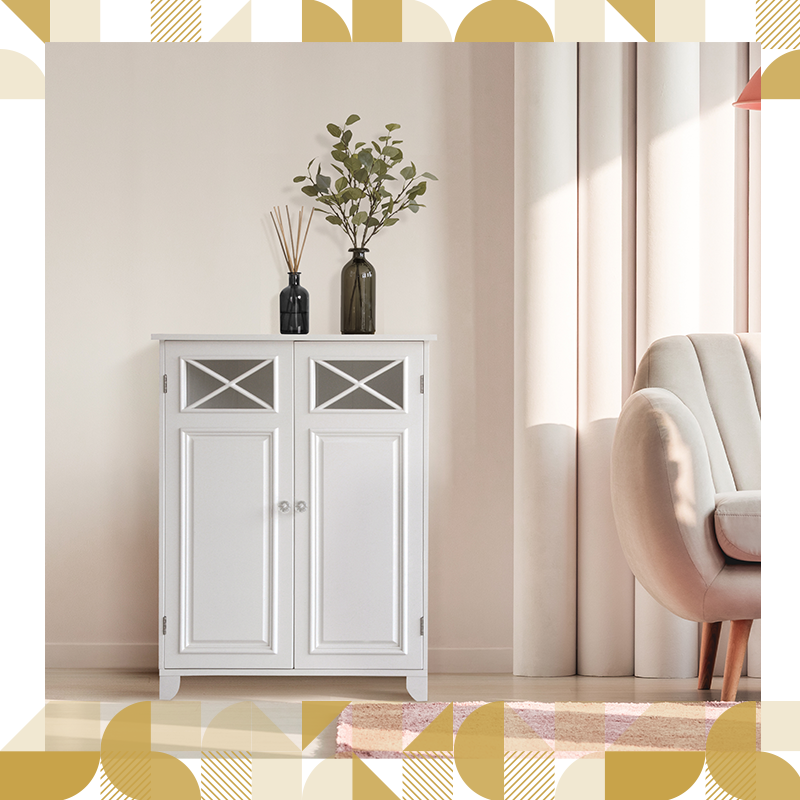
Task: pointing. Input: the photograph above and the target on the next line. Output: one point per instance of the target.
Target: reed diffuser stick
(280, 241)
(299, 228)
(291, 239)
(306, 236)
(283, 236)
(292, 250)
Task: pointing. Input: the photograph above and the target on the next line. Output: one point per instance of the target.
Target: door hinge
(164, 626)
(421, 626)
(165, 384)
(422, 384)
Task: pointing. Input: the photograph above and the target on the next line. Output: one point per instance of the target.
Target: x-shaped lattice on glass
(232, 384)
(363, 385)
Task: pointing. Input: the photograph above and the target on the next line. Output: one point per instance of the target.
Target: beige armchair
(686, 486)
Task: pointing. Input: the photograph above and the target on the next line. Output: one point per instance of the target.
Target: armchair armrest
(663, 499)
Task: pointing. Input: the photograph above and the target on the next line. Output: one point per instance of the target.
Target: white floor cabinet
(293, 507)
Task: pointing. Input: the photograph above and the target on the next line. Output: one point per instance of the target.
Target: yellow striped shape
(174, 20)
(226, 775)
(714, 791)
(134, 768)
(529, 776)
(107, 789)
(428, 777)
(735, 771)
(778, 23)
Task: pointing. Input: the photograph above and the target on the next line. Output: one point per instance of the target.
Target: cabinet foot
(417, 687)
(168, 686)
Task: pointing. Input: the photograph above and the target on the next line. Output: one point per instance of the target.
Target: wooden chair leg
(737, 646)
(708, 653)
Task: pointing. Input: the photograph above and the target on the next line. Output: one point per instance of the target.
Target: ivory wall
(161, 166)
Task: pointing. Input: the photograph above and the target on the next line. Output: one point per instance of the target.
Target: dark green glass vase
(358, 294)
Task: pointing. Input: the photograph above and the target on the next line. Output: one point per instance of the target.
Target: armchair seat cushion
(737, 524)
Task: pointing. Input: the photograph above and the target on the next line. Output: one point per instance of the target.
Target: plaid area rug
(570, 730)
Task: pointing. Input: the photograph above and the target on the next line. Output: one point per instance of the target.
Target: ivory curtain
(637, 216)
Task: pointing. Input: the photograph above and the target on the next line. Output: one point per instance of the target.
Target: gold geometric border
(133, 767)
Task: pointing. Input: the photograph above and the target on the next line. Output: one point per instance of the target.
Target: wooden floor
(129, 687)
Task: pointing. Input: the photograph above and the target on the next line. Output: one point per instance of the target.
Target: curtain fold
(636, 204)
(545, 359)
(606, 242)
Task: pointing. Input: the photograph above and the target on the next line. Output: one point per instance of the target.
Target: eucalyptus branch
(365, 169)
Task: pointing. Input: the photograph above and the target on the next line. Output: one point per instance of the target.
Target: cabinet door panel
(358, 548)
(227, 541)
(358, 532)
(228, 552)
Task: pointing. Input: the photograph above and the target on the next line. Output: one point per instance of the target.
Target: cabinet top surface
(274, 337)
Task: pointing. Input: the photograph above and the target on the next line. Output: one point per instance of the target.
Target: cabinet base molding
(416, 684)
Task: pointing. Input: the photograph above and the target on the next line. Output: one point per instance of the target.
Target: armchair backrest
(718, 377)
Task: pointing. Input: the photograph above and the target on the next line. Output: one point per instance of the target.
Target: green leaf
(420, 188)
(413, 207)
(384, 138)
(365, 157)
(338, 169)
(352, 163)
(352, 193)
(338, 155)
(371, 222)
(389, 151)
(359, 145)
(361, 175)
(310, 163)
(333, 220)
(311, 191)
(360, 218)
(392, 126)
(334, 130)
(428, 175)
(299, 178)
(397, 141)
(377, 147)
(347, 136)
(390, 221)
(351, 119)
(408, 172)
(340, 184)
(323, 182)
(381, 168)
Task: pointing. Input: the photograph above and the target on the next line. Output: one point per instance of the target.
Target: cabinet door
(359, 469)
(228, 549)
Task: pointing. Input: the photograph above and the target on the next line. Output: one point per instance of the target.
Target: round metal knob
(284, 507)
(300, 506)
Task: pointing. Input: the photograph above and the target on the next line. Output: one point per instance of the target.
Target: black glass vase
(294, 306)
(358, 294)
